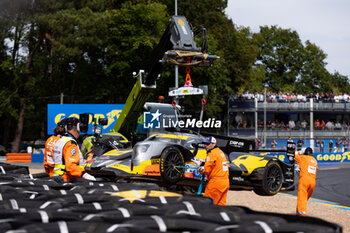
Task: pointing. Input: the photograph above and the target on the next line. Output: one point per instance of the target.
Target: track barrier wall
(24, 158)
(341, 157)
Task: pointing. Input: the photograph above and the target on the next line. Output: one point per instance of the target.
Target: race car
(167, 159)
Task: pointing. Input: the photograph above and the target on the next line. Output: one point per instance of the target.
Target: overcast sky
(325, 23)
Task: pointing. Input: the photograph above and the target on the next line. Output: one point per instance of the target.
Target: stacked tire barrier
(35, 205)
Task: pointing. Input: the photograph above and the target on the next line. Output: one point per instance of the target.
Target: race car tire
(171, 165)
(272, 180)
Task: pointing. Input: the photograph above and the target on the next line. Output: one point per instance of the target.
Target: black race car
(167, 158)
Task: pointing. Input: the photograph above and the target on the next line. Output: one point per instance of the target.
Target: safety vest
(60, 167)
(49, 147)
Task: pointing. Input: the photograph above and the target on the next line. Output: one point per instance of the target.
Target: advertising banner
(335, 157)
(55, 112)
(341, 157)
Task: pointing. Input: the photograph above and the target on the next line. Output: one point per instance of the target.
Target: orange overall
(216, 169)
(49, 162)
(307, 180)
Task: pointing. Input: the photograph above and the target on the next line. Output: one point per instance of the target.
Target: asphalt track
(332, 185)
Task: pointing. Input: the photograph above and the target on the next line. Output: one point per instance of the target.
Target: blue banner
(336, 157)
(55, 112)
(341, 157)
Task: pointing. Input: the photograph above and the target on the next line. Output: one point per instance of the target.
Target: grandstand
(315, 118)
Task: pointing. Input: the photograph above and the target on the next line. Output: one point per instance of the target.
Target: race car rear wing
(233, 144)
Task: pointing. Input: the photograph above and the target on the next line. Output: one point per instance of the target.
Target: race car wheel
(172, 165)
(272, 180)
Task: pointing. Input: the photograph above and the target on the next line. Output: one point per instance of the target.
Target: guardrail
(304, 106)
(303, 133)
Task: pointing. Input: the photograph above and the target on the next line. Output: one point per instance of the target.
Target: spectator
(282, 126)
(336, 99)
(288, 98)
(338, 145)
(329, 125)
(268, 124)
(317, 124)
(323, 124)
(317, 97)
(239, 123)
(298, 125)
(320, 100)
(273, 125)
(322, 146)
(280, 97)
(257, 143)
(330, 146)
(341, 98)
(291, 124)
(304, 124)
(300, 143)
(317, 144)
(346, 144)
(277, 124)
(347, 125)
(299, 97)
(337, 126)
(293, 98)
(273, 98)
(274, 145)
(344, 125)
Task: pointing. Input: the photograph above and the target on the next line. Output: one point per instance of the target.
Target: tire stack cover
(39, 204)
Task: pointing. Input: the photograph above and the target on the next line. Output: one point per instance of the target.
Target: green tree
(314, 76)
(339, 83)
(281, 54)
(134, 31)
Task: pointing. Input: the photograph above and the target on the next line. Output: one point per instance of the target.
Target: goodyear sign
(55, 112)
(332, 157)
(341, 157)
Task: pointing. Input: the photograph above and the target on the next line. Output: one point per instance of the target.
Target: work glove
(201, 170)
(87, 176)
(196, 162)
